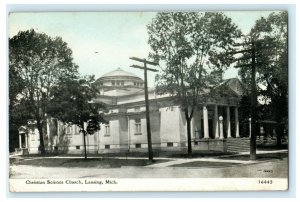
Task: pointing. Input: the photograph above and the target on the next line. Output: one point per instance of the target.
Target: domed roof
(119, 73)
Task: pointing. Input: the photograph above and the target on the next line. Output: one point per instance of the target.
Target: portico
(213, 126)
(221, 124)
(23, 141)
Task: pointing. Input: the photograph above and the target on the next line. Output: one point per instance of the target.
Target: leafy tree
(37, 62)
(18, 115)
(270, 36)
(193, 48)
(72, 103)
(15, 118)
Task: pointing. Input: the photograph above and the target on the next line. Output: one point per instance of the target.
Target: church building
(215, 123)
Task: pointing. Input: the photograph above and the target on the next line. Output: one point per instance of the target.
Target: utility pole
(150, 152)
(255, 45)
(253, 104)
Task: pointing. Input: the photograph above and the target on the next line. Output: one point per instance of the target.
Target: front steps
(238, 144)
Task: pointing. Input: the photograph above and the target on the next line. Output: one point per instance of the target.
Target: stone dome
(119, 73)
(118, 80)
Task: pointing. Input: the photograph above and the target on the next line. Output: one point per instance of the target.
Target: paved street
(187, 168)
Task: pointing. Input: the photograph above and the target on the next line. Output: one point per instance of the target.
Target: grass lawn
(259, 157)
(199, 164)
(156, 154)
(195, 154)
(82, 163)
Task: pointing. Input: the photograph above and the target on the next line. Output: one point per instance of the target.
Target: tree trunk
(279, 133)
(84, 143)
(42, 144)
(189, 138)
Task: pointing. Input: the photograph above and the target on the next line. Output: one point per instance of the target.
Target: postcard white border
(291, 9)
(179, 184)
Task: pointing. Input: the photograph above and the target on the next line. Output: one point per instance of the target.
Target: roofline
(121, 70)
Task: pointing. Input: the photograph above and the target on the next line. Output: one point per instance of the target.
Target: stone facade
(215, 119)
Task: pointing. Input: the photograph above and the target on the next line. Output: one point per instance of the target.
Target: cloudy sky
(104, 41)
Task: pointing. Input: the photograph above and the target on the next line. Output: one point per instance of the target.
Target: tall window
(113, 83)
(69, 130)
(138, 125)
(107, 130)
(77, 130)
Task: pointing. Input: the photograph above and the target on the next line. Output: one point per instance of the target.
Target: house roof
(22, 129)
(233, 84)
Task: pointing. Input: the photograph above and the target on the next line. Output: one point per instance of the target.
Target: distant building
(215, 120)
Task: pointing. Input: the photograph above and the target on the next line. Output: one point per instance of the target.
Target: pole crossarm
(249, 65)
(255, 45)
(241, 51)
(242, 58)
(144, 60)
(255, 42)
(139, 67)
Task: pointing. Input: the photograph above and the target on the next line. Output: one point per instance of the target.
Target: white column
(205, 122)
(85, 124)
(216, 122)
(221, 127)
(26, 141)
(249, 127)
(237, 125)
(200, 127)
(48, 127)
(228, 122)
(128, 134)
(20, 141)
(48, 132)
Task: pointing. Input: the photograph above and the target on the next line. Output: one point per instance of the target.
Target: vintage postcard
(148, 101)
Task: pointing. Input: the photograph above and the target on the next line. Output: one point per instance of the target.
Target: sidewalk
(182, 161)
(170, 161)
(214, 159)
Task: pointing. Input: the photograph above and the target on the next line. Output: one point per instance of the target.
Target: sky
(103, 41)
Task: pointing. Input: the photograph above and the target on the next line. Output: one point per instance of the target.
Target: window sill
(106, 135)
(137, 133)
